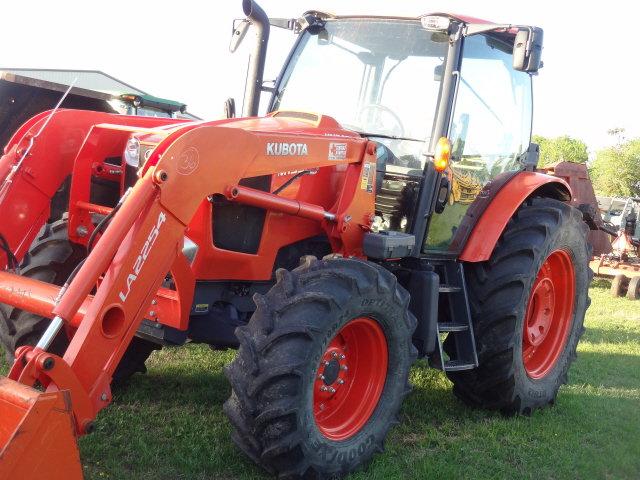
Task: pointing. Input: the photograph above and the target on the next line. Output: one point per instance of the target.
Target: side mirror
(230, 108)
(240, 28)
(527, 50)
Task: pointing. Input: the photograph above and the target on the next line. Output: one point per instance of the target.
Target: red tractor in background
(403, 220)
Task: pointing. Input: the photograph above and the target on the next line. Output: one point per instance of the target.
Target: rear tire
(525, 347)
(52, 258)
(277, 406)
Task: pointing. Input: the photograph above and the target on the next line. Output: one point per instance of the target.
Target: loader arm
(139, 247)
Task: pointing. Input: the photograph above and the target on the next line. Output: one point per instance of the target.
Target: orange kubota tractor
(327, 247)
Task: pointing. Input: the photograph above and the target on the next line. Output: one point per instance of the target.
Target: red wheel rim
(350, 379)
(549, 315)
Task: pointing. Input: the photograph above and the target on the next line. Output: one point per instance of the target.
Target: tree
(561, 149)
(619, 134)
(616, 170)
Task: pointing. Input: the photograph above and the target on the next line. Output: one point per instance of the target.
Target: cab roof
(507, 32)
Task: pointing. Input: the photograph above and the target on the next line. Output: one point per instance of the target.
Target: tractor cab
(405, 83)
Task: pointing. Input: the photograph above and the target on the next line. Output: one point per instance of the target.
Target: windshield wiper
(390, 137)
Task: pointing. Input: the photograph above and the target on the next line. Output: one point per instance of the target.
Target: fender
(494, 219)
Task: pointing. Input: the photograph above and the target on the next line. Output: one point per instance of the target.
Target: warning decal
(366, 182)
(337, 151)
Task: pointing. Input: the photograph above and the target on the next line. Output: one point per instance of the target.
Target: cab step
(458, 328)
(448, 289)
(452, 327)
(458, 366)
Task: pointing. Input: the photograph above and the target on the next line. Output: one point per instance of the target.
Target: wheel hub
(549, 314)
(350, 379)
(331, 371)
(541, 311)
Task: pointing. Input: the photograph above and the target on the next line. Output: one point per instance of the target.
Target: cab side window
(492, 117)
(490, 129)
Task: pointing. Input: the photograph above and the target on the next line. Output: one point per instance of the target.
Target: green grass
(169, 423)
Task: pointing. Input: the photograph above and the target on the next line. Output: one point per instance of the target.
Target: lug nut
(340, 381)
(323, 388)
(344, 368)
(334, 354)
(331, 390)
(343, 356)
(326, 363)
(321, 377)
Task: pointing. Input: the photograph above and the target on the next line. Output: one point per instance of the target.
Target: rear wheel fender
(507, 200)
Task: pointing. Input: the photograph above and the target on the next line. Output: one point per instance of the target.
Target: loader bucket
(37, 436)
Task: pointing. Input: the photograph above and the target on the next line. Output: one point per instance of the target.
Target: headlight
(132, 152)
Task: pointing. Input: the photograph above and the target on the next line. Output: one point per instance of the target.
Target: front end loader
(332, 249)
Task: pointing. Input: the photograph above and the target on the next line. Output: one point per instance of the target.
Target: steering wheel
(370, 117)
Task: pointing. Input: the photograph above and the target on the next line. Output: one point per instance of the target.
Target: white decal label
(337, 151)
(295, 172)
(282, 149)
(142, 257)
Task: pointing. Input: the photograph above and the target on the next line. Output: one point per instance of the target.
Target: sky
(179, 50)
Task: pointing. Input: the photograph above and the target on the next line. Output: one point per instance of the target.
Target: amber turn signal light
(442, 154)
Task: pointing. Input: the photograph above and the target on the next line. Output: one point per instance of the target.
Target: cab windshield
(379, 77)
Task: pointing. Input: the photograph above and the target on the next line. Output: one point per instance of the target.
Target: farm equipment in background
(326, 250)
(615, 229)
(611, 209)
(584, 199)
(623, 262)
(28, 92)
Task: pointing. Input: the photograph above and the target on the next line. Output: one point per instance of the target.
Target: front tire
(528, 304)
(322, 369)
(52, 258)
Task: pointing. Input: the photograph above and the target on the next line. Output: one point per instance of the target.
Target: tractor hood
(279, 122)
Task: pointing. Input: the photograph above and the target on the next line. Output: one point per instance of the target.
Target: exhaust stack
(256, 16)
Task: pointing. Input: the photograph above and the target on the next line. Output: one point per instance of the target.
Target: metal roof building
(26, 92)
(86, 79)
